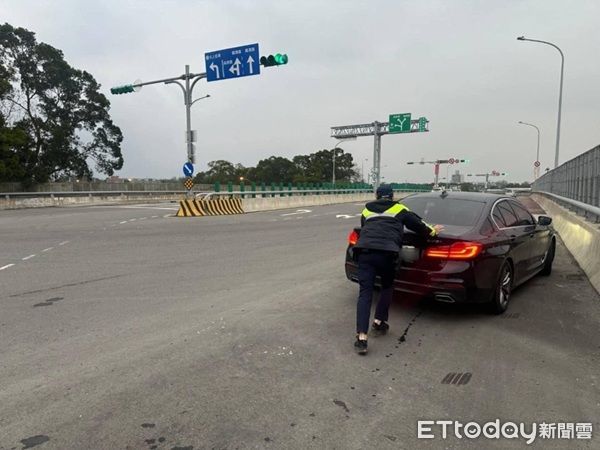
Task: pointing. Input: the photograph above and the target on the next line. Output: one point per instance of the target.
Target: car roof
(484, 197)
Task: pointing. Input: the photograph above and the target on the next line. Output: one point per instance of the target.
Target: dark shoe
(360, 346)
(381, 329)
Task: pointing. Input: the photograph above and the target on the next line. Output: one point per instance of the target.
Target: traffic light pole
(188, 102)
(187, 89)
(436, 169)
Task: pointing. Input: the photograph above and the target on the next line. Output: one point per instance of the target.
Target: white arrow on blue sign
(188, 169)
(233, 62)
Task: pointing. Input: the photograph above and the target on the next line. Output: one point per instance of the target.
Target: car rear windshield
(445, 211)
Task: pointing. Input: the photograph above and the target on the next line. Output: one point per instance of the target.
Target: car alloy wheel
(501, 298)
(504, 293)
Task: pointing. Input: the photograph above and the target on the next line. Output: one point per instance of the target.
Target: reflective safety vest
(392, 212)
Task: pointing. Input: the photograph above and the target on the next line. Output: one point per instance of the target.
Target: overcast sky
(456, 62)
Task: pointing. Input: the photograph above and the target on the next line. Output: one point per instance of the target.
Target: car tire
(503, 290)
(547, 269)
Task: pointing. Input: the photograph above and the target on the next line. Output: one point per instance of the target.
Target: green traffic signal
(274, 60)
(125, 89)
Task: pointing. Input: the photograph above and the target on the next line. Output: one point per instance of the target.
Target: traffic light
(125, 89)
(463, 161)
(274, 60)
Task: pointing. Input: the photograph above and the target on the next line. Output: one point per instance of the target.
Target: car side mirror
(544, 220)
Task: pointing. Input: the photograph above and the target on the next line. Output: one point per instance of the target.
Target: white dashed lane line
(26, 258)
(124, 221)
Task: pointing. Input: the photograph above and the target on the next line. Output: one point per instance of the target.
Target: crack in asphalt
(79, 283)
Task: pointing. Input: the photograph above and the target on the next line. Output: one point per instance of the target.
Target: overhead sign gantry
(398, 123)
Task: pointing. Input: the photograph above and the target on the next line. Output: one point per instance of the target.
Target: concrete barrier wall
(40, 202)
(249, 204)
(581, 237)
(301, 201)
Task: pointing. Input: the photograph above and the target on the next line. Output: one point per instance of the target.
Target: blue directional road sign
(232, 63)
(188, 169)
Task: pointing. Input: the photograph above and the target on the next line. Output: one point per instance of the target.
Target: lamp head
(521, 38)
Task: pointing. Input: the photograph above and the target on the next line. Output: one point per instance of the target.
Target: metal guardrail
(205, 195)
(588, 211)
(9, 195)
(288, 193)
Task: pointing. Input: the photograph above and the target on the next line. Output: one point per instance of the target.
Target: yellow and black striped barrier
(216, 207)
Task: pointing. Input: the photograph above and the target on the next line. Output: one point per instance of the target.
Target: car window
(522, 214)
(446, 211)
(498, 218)
(508, 215)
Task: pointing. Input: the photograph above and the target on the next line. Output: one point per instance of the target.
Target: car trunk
(412, 254)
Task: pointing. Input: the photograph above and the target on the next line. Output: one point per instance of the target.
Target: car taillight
(353, 238)
(457, 250)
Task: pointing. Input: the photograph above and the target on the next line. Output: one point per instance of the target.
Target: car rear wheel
(503, 290)
(549, 259)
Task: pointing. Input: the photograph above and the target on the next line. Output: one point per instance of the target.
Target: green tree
(318, 166)
(54, 121)
(275, 169)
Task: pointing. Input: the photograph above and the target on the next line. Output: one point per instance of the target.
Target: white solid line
(64, 242)
(28, 257)
(167, 215)
(123, 221)
(47, 249)
(143, 218)
(6, 266)
(132, 220)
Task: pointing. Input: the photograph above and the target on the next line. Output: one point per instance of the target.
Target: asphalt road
(121, 328)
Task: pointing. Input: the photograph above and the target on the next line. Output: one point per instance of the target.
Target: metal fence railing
(289, 193)
(22, 195)
(577, 179)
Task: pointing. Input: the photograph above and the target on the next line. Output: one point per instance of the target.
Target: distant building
(457, 178)
(115, 179)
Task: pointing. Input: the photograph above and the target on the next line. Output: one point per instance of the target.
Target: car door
(539, 234)
(520, 239)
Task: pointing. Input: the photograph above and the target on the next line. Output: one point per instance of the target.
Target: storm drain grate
(457, 378)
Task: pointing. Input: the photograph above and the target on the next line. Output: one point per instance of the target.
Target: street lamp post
(562, 68)
(536, 168)
(334, 154)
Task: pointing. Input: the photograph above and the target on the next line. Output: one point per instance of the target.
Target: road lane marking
(154, 217)
(139, 207)
(143, 218)
(300, 211)
(123, 221)
(47, 249)
(28, 257)
(64, 242)
(132, 220)
(6, 266)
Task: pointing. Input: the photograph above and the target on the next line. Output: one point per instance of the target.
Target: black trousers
(370, 264)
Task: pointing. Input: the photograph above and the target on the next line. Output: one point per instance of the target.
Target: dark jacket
(383, 223)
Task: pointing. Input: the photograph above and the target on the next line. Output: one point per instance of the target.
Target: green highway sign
(399, 123)
(422, 123)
